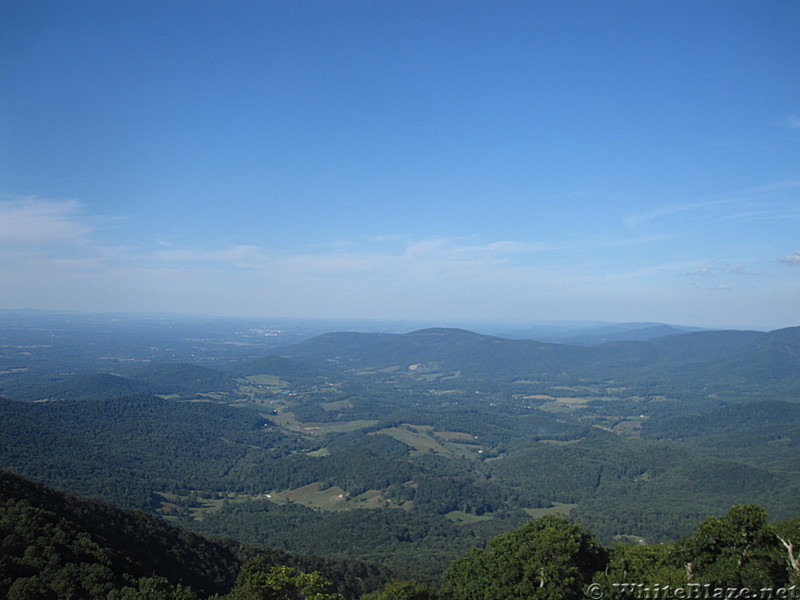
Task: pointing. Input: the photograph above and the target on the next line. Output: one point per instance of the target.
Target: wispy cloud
(793, 122)
(635, 220)
(792, 259)
(722, 268)
(31, 220)
(425, 259)
(243, 256)
(57, 232)
(772, 201)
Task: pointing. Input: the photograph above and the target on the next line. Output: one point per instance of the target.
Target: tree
(30, 588)
(549, 558)
(279, 583)
(157, 588)
(737, 550)
(402, 590)
(644, 563)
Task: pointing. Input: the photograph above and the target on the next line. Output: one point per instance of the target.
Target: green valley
(408, 449)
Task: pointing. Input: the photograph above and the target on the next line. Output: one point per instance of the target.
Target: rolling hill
(182, 379)
(759, 362)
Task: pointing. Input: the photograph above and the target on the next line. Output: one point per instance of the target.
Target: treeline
(410, 542)
(552, 558)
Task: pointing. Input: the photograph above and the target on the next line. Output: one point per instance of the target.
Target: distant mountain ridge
(749, 358)
(170, 378)
(599, 333)
(633, 332)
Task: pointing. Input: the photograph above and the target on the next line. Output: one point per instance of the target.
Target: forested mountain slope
(79, 543)
(60, 545)
(125, 448)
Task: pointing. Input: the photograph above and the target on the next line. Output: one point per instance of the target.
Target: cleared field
(558, 508)
(423, 439)
(320, 452)
(461, 517)
(314, 496)
(337, 405)
(586, 389)
(285, 418)
(631, 426)
(343, 427)
(269, 380)
(560, 442)
(573, 401)
(202, 505)
(412, 436)
(454, 436)
(562, 405)
(14, 371)
(556, 408)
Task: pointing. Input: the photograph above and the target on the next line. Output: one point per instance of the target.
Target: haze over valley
(404, 448)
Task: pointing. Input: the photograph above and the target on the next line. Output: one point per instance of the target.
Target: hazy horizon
(486, 326)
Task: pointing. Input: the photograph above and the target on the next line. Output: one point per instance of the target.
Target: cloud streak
(32, 221)
(772, 201)
(792, 259)
(719, 269)
(636, 220)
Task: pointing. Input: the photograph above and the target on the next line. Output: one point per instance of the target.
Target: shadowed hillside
(61, 545)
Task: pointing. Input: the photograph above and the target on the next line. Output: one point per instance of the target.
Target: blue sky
(429, 160)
